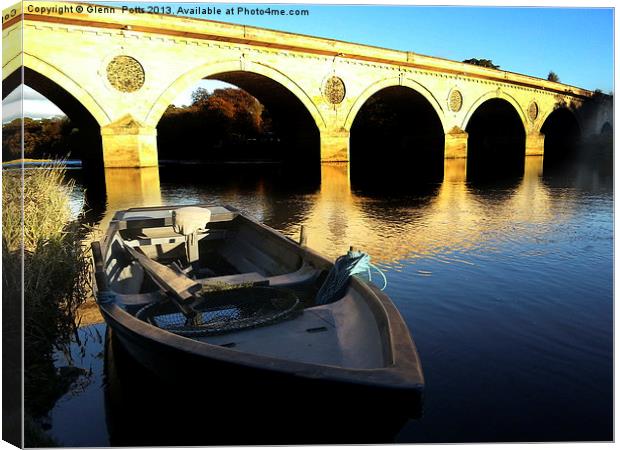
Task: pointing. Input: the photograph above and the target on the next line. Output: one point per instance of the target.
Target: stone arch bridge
(123, 69)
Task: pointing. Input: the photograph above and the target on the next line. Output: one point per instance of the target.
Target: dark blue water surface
(507, 289)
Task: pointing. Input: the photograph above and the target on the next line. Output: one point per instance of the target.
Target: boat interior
(230, 250)
(235, 251)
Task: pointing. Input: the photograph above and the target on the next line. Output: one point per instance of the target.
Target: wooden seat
(239, 278)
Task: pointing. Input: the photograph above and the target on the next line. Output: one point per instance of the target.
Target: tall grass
(55, 277)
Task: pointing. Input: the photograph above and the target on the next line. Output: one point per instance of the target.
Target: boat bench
(304, 274)
(158, 238)
(239, 278)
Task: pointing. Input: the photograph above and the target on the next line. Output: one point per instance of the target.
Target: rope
(106, 297)
(225, 310)
(207, 323)
(354, 262)
(380, 272)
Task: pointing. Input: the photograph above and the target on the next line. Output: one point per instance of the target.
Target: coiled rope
(354, 262)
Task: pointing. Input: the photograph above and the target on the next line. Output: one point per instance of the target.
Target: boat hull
(267, 377)
(170, 397)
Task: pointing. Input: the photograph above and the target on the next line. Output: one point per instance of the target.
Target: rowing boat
(208, 296)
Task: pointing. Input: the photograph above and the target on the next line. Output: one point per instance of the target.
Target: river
(506, 287)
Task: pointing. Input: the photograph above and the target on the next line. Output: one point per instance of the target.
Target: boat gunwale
(401, 371)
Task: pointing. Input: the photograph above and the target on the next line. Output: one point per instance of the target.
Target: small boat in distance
(215, 300)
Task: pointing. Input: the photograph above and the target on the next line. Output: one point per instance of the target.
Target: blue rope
(106, 297)
(380, 272)
(352, 263)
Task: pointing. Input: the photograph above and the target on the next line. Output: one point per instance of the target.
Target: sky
(576, 43)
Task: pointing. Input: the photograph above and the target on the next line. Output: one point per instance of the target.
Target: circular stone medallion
(125, 73)
(455, 102)
(334, 90)
(532, 111)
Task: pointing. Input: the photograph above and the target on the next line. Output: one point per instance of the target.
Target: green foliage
(55, 272)
(482, 62)
(553, 77)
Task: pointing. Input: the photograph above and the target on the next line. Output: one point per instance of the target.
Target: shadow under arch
(68, 103)
(562, 136)
(296, 125)
(394, 82)
(85, 137)
(490, 96)
(397, 141)
(74, 97)
(496, 142)
(209, 70)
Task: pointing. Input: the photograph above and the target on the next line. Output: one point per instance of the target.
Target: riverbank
(40, 236)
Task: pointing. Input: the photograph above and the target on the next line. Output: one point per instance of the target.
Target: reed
(40, 233)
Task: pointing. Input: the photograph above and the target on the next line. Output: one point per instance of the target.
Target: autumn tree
(217, 124)
(52, 137)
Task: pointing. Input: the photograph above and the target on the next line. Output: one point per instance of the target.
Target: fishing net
(224, 311)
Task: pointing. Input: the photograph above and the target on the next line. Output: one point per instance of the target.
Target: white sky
(35, 105)
(185, 98)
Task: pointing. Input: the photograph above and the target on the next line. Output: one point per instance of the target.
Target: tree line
(224, 124)
(552, 76)
(54, 137)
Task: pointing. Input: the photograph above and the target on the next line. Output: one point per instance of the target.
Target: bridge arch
(496, 142)
(403, 122)
(193, 76)
(489, 96)
(565, 110)
(562, 128)
(58, 77)
(84, 139)
(394, 82)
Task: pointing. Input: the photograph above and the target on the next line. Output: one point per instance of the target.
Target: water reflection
(505, 286)
(128, 188)
(442, 219)
(412, 223)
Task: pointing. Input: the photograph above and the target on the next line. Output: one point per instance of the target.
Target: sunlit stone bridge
(118, 72)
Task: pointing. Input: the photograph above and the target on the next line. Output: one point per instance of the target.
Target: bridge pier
(127, 143)
(455, 170)
(130, 187)
(335, 146)
(455, 144)
(534, 144)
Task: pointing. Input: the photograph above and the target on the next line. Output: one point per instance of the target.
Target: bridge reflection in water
(442, 218)
(448, 218)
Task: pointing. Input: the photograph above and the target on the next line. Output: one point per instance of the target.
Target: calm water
(506, 288)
